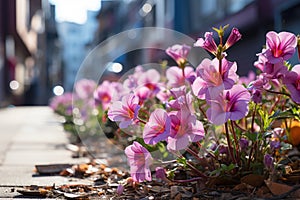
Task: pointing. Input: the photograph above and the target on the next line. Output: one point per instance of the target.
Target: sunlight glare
(74, 10)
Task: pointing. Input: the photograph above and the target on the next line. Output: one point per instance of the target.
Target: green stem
(202, 111)
(237, 148)
(191, 166)
(193, 153)
(229, 143)
(250, 154)
(274, 92)
(142, 121)
(253, 117)
(220, 66)
(274, 105)
(196, 170)
(183, 73)
(239, 127)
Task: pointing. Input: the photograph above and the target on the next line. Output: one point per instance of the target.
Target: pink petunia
(271, 71)
(143, 93)
(280, 46)
(63, 104)
(150, 79)
(292, 82)
(132, 81)
(182, 99)
(247, 79)
(85, 88)
(139, 160)
(175, 77)
(104, 94)
(125, 111)
(230, 104)
(185, 128)
(210, 81)
(179, 53)
(208, 43)
(158, 127)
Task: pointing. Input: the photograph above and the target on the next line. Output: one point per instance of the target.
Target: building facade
(254, 18)
(23, 43)
(75, 42)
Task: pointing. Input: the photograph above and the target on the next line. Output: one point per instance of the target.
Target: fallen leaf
(254, 180)
(51, 169)
(277, 188)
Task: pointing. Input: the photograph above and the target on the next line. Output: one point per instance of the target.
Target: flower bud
(160, 173)
(244, 143)
(208, 43)
(233, 38)
(120, 189)
(268, 161)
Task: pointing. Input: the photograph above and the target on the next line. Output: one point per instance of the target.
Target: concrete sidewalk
(31, 136)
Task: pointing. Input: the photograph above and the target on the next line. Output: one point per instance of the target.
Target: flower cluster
(210, 119)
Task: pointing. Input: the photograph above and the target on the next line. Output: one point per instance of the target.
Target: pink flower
(247, 79)
(104, 94)
(271, 71)
(62, 104)
(176, 78)
(257, 86)
(280, 46)
(185, 128)
(143, 93)
(158, 127)
(208, 43)
(233, 38)
(163, 95)
(210, 81)
(292, 82)
(125, 111)
(179, 53)
(132, 81)
(150, 79)
(139, 160)
(231, 104)
(85, 88)
(182, 99)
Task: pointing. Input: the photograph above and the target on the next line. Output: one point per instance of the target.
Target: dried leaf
(254, 180)
(51, 169)
(240, 187)
(28, 192)
(75, 196)
(34, 191)
(159, 189)
(277, 188)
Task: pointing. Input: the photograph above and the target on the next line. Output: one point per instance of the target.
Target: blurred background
(44, 42)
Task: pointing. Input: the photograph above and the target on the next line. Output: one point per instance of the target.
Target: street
(31, 136)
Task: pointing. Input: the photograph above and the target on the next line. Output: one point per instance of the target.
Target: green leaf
(182, 160)
(252, 136)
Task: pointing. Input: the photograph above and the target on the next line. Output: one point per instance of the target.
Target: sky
(74, 10)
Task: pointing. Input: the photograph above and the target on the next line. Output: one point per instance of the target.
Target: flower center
(159, 129)
(150, 86)
(227, 103)
(105, 98)
(277, 53)
(215, 78)
(130, 113)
